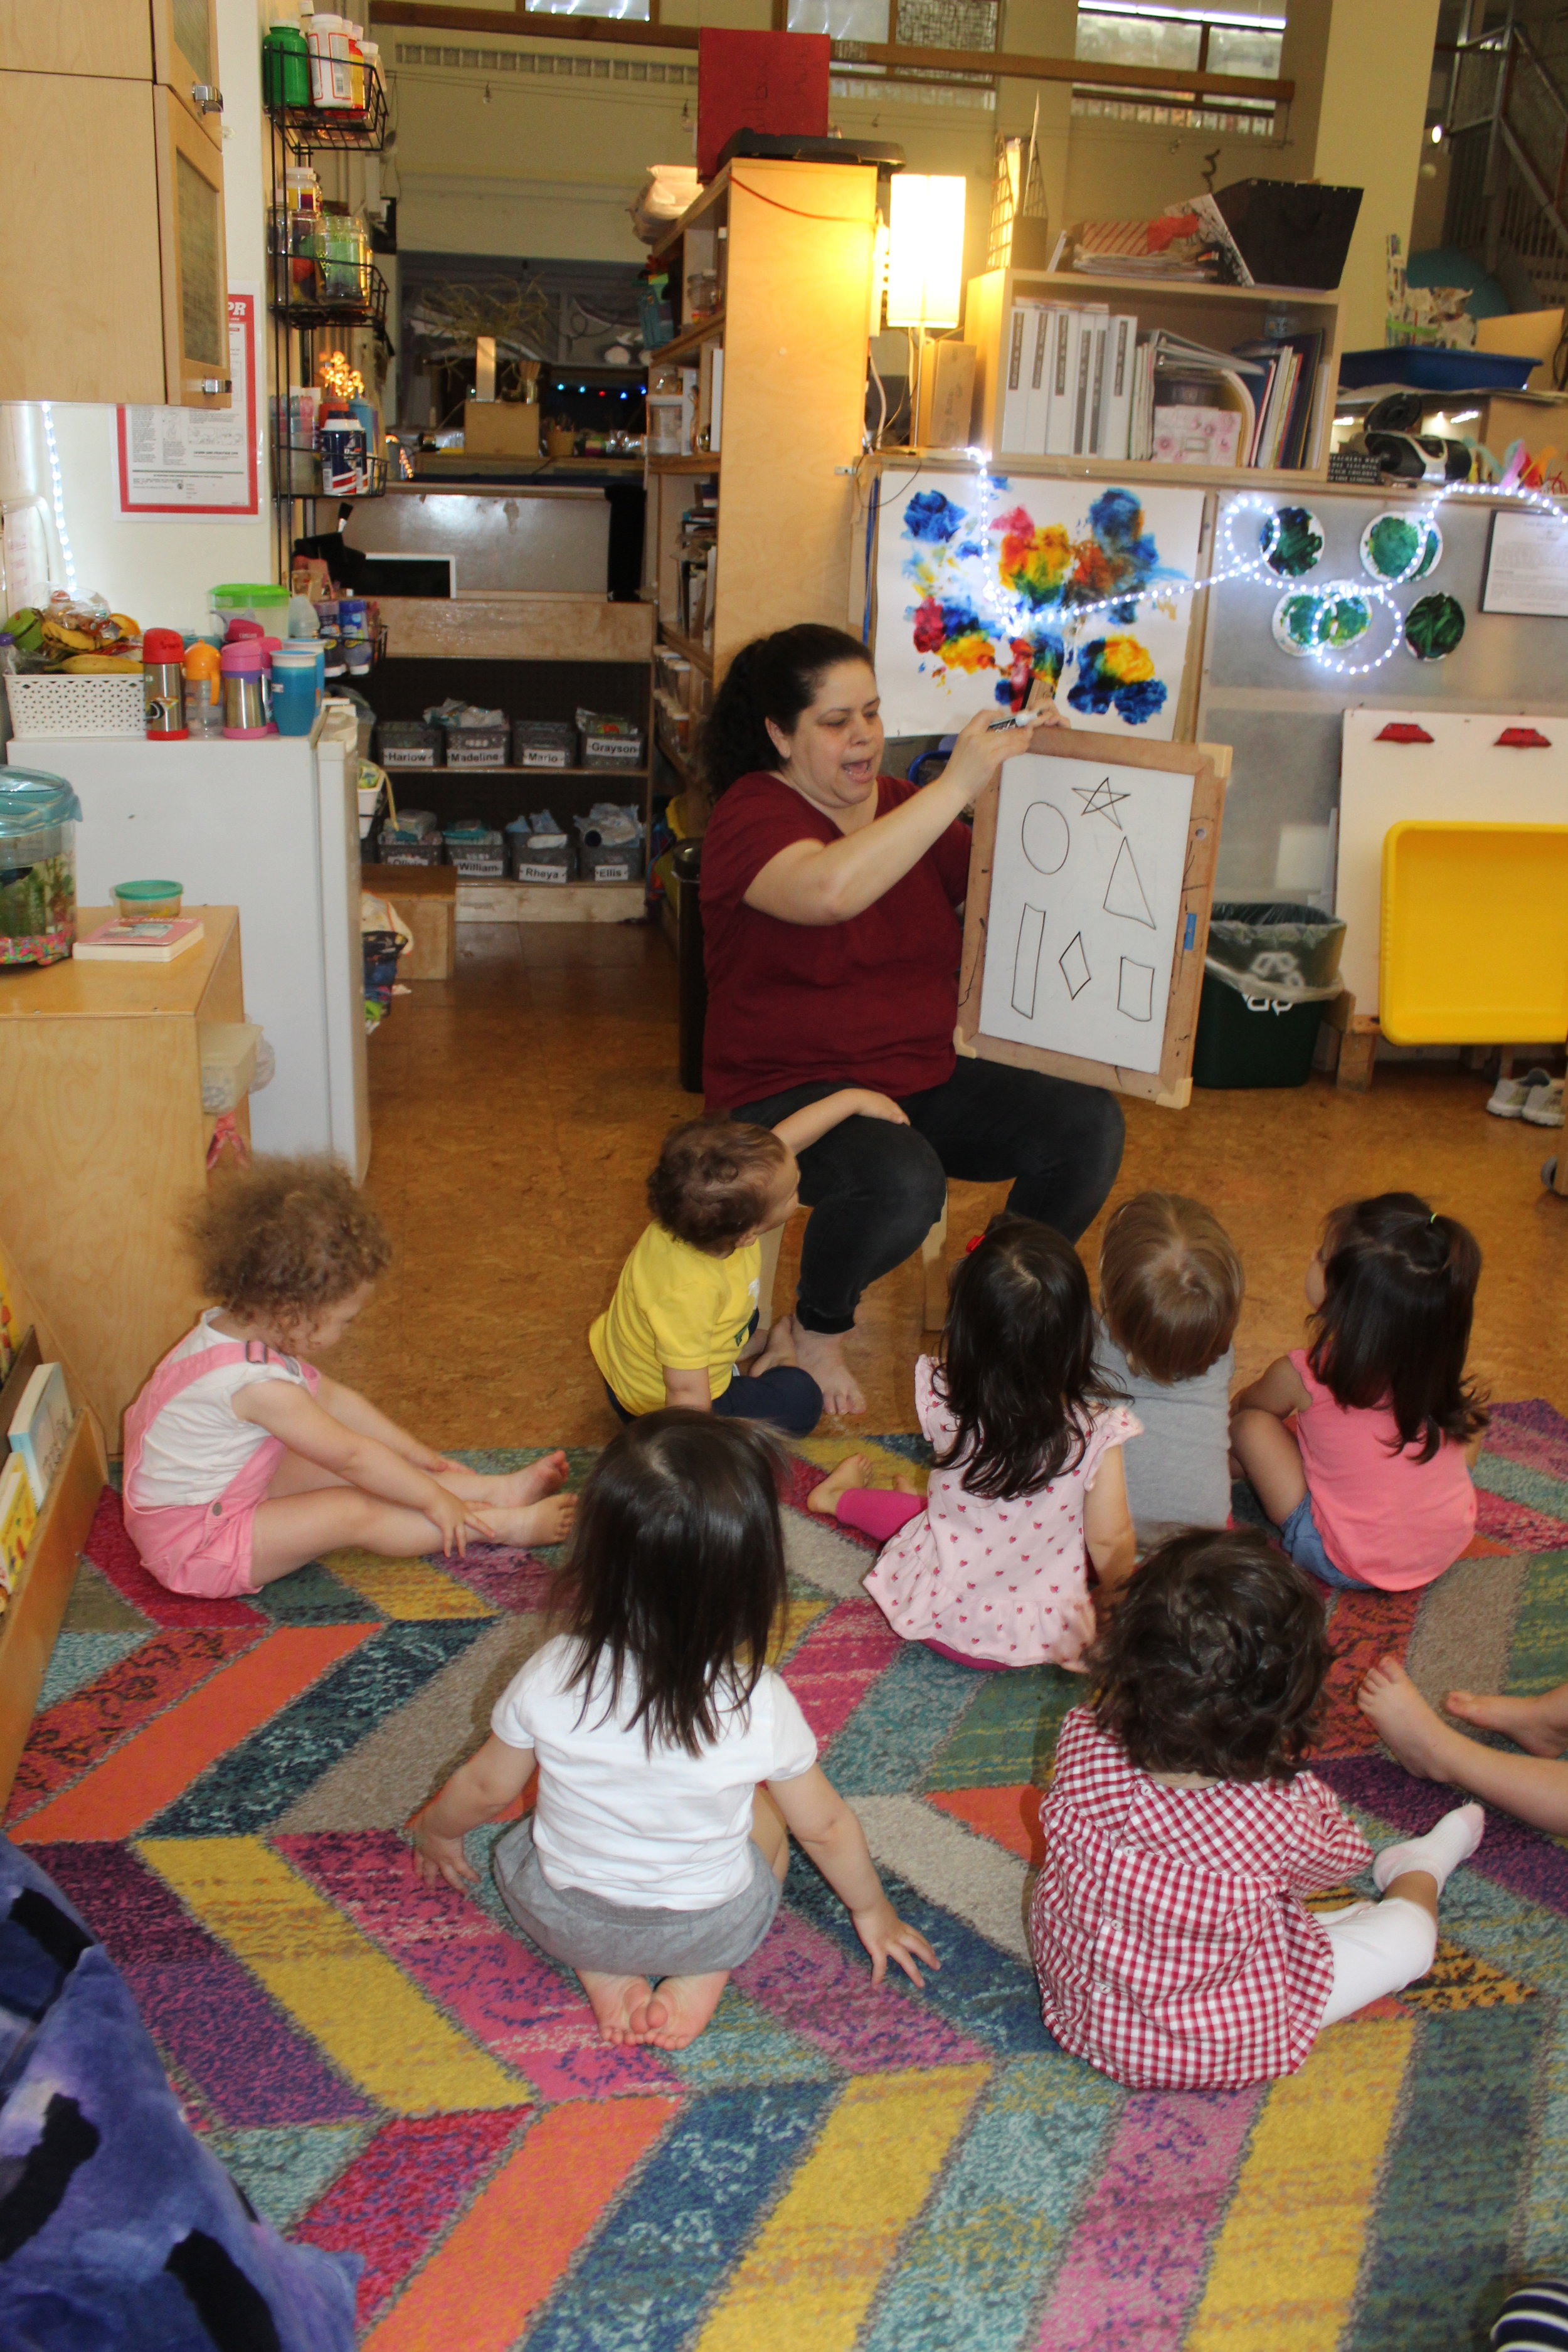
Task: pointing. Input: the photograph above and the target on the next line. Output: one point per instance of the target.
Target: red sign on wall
(759, 81)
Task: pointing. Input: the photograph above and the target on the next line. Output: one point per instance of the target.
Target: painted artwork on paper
(1086, 896)
(986, 585)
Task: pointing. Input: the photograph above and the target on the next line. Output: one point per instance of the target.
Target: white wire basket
(61, 703)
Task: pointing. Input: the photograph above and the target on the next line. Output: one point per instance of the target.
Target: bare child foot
(1415, 1735)
(1539, 1726)
(853, 1471)
(549, 1522)
(821, 1354)
(676, 2014)
(533, 1484)
(615, 2000)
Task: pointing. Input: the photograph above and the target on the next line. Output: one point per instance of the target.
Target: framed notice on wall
(1527, 565)
(196, 462)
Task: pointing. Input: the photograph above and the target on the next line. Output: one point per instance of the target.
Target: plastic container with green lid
(38, 867)
(148, 902)
(249, 600)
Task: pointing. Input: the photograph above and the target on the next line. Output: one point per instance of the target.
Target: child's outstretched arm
(358, 1413)
(1108, 1524)
(804, 1128)
(476, 1791)
(292, 1414)
(833, 1837)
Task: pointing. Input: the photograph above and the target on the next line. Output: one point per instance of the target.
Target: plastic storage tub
(539, 856)
(601, 750)
(476, 851)
(38, 814)
(1271, 967)
(59, 702)
(149, 902)
(619, 861)
(478, 747)
(543, 743)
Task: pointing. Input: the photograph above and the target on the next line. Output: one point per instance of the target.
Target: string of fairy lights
(1016, 617)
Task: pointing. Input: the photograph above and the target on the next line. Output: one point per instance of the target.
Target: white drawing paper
(1086, 897)
(983, 593)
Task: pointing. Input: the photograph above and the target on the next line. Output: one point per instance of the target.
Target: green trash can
(1271, 967)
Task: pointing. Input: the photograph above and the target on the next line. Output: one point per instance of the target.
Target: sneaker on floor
(1544, 1108)
(1510, 1096)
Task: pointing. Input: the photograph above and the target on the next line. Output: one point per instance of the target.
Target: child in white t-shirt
(672, 1762)
(243, 1462)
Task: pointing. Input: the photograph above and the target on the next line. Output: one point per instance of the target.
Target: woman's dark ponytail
(774, 678)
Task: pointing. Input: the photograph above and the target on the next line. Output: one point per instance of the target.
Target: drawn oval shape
(1046, 840)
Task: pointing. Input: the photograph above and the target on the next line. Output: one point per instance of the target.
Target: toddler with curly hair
(242, 1461)
(1171, 1945)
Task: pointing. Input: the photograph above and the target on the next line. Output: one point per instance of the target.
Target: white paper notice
(196, 461)
(1527, 566)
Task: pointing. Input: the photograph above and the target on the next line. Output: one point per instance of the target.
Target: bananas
(101, 664)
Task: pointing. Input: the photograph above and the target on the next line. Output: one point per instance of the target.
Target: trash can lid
(29, 799)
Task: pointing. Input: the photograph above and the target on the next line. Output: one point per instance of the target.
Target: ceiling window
(910, 24)
(1240, 39)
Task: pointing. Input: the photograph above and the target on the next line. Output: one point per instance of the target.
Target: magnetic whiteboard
(1462, 773)
(1086, 892)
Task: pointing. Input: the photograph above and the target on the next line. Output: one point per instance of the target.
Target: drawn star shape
(1099, 799)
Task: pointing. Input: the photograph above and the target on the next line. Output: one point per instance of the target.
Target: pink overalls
(202, 1547)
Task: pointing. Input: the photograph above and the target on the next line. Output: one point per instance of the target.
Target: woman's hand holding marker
(984, 745)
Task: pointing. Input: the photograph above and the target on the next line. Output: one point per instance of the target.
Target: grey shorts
(627, 1939)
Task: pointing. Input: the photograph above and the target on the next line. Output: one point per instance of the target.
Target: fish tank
(38, 818)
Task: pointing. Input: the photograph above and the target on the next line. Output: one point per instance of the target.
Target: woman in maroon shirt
(829, 909)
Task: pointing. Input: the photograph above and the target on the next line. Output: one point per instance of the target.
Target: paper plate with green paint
(1345, 620)
(1299, 545)
(1434, 627)
(1388, 546)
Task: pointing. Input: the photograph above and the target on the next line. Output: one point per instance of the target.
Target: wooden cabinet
(101, 1074)
(184, 59)
(130, 303)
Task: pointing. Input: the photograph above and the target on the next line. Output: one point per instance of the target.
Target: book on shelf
(139, 941)
(10, 1319)
(24, 1362)
(40, 1426)
(18, 1518)
(1196, 437)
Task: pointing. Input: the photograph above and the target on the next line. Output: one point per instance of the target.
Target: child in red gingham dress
(1173, 1948)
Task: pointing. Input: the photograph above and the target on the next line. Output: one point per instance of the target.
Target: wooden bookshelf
(690, 340)
(1219, 315)
(700, 656)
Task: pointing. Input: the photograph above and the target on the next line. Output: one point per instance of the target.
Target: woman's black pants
(875, 1190)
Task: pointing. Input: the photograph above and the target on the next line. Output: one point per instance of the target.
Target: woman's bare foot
(1539, 1726)
(821, 1353)
(676, 2014)
(853, 1471)
(1417, 1737)
(549, 1522)
(617, 2001)
(513, 1489)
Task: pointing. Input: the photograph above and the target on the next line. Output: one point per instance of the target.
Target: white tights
(1378, 1948)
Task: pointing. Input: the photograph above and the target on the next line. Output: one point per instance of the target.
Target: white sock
(1442, 1849)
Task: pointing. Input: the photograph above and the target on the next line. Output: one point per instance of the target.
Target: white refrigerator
(270, 827)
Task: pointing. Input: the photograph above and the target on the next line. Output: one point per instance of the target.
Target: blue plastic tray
(1421, 367)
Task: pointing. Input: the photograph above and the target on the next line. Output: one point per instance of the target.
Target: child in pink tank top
(1360, 1447)
(243, 1462)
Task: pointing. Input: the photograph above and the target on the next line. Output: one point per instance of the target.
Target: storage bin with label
(610, 843)
(407, 743)
(538, 856)
(476, 747)
(412, 841)
(543, 743)
(476, 851)
(608, 740)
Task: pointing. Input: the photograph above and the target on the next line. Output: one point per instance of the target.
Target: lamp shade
(925, 269)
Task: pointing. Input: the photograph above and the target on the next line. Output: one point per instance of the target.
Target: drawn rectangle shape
(1027, 962)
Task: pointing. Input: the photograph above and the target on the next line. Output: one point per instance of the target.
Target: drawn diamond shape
(1074, 965)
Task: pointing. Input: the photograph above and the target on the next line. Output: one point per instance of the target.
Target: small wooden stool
(426, 898)
(933, 1268)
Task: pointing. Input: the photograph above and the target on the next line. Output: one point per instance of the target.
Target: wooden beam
(621, 32)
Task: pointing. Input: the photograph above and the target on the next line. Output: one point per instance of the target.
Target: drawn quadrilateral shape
(1124, 891)
(1099, 799)
(1027, 962)
(1074, 965)
(1135, 990)
(1045, 837)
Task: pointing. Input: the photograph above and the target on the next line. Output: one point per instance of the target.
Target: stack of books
(1079, 380)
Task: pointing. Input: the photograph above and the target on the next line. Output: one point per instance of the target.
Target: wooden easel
(32, 1620)
(1171, 1086)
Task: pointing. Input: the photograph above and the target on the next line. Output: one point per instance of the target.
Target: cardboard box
(947, 395)
(501, 428)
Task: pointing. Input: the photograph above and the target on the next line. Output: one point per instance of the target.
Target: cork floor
(516, 1108)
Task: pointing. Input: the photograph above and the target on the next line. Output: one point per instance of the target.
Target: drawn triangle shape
(1124, 891)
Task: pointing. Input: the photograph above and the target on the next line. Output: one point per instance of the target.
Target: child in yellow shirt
(682, 1329)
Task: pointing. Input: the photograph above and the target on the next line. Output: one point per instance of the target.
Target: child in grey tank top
(1170, 1296)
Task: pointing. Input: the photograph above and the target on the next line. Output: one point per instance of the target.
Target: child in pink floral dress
(990, 1567)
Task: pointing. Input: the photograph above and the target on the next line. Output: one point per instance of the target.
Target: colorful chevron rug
(218, 1787)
